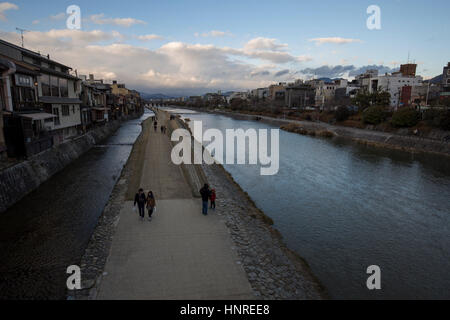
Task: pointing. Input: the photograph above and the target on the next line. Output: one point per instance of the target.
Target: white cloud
(334, 40)
(122, 22)
(264, 44)
(214, 34)
(5, 6)
(36, 22)
(174, 67)
(149, 37)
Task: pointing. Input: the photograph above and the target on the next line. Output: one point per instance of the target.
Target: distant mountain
(327, 80)
(158, 96)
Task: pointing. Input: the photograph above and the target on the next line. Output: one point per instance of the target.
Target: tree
(342, 114)
(406, 117)
(374, 115)
(365, 99)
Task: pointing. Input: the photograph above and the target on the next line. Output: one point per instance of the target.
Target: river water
(49, 229)
(345, 207)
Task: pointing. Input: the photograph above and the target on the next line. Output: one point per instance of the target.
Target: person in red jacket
(212, 197)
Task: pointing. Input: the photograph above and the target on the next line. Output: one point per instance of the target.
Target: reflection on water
(345, 207)
(49, 229)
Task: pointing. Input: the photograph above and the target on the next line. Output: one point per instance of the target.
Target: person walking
(140, 199)
(205, 193)
(151, 204)
(155, 125)
(162, 129)
(213, 197)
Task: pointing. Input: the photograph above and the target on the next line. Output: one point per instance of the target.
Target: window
(63, 88)
(65, 111)
(54, 86)
(73, 109)
(56, 120)
(45, 84)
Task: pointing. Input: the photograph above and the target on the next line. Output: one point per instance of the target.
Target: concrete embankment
(19, 180)
(362, 136)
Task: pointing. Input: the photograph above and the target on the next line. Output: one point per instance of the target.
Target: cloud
(269, 50)
(35, 22)
(381, 69)
(149, 37)
(122, 22)
(282, 73)
(344, 70)
(214, 34)
(5, 6)
(264, 44)
(174, 67)
(334, 40)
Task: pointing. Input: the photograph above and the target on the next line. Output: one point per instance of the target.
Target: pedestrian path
(180, 254)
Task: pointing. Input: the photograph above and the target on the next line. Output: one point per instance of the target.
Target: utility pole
(22, 31)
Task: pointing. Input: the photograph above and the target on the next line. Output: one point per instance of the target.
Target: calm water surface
(344, 207)
(49, 229)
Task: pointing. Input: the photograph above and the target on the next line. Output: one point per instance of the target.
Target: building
(42, 107)
(299, 95)
(325, 92)
(363, 80)
(408, 70)
(277, 92)
(445, 94)
(398, 85)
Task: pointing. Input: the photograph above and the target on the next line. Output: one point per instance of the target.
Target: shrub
(405, 118)
(437, 118)
(342, 114)
(444, 120)
(374, 115)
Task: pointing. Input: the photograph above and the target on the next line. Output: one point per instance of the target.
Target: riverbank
(23, 178)
(94, 259)
(410, 144)
(273, 271)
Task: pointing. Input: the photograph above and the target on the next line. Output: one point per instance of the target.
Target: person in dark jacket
(205, 193)
(141, 200)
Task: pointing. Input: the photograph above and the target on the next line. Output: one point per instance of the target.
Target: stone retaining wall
(19, 180)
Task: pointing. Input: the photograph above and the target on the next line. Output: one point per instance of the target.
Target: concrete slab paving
(180, 254)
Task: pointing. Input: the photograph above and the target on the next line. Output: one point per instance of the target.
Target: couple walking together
(208, 194)
(145, 202)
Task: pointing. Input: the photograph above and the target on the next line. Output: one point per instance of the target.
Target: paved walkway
(180, 254)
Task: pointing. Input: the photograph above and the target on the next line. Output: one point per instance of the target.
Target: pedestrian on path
(155, 125)
(205, 193)
(162, 129)
(151, 204)
(140, 199)
(213, 197)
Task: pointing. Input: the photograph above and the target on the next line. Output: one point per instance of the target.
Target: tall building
(408, 70)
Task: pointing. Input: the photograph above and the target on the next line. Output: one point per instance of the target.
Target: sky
(196, 46)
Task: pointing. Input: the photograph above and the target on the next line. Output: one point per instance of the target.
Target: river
(49, 229)
(345, 207)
